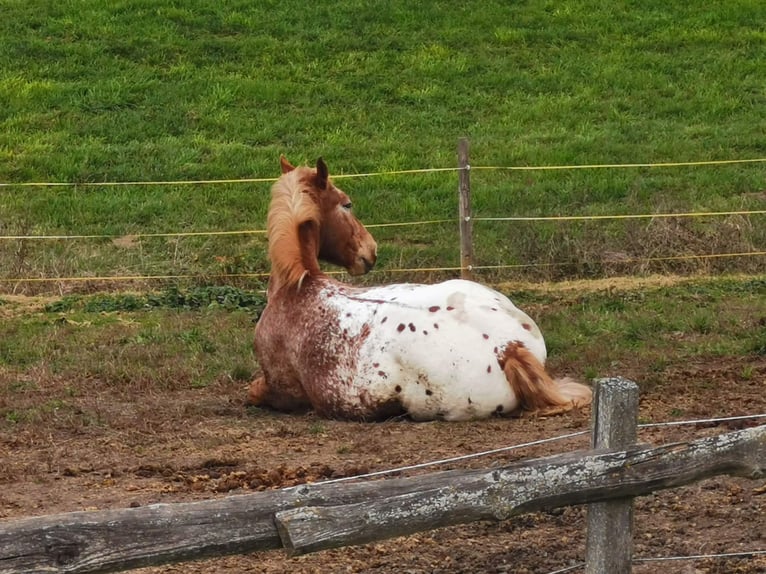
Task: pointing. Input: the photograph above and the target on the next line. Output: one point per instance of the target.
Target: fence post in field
(466, 224)
(609, 544)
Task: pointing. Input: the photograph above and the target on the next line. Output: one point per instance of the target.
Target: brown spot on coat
(485, 335)
(384, 320)
(398, 388)
(527, 326)
(489, 368)
(434, 308)
(382, 374)
(429, 392)
(412, 327)
(450, 308)
(400, 328)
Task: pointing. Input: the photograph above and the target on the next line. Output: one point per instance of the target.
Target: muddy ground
(204, 443)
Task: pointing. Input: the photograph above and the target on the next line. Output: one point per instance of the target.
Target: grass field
(160, 91)
(117, 392)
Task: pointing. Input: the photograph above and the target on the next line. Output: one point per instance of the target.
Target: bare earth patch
(205, 444)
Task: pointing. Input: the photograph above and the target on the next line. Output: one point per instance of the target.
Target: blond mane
(291, 206)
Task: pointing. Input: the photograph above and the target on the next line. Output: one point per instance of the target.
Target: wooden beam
(449, 498)
(609, 544)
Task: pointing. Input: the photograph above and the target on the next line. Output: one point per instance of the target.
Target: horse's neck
(294, 257)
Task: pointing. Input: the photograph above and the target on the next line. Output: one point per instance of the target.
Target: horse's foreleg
(277, 395)
(257, 392)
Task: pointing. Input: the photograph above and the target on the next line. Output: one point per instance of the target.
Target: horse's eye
(347, 205)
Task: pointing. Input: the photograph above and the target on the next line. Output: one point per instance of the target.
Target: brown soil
(205, 444)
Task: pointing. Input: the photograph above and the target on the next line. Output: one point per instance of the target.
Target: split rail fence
(314, 517)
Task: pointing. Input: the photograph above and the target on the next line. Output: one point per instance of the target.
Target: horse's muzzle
(368, 264)
(362, 265)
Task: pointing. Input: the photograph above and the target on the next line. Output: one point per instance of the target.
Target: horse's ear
(285, 165)
(322, 173)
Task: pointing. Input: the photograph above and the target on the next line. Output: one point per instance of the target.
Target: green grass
(162, 350)
(142, 91)
(659, 326)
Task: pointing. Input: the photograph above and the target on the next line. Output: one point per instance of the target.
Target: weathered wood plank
(115, 540)
(609, 543)
(453, 498)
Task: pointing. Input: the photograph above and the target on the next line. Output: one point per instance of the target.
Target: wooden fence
(314, 517)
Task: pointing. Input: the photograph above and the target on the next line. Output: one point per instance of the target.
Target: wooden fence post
(609, 544)
(466, 224)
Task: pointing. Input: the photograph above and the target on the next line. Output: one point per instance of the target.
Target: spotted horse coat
(429, 351)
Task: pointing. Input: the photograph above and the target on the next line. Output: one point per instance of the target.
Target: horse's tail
(536, 390)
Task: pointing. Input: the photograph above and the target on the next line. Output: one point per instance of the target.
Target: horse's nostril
(367, 264)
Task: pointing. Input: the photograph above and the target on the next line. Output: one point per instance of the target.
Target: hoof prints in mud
(226, 477)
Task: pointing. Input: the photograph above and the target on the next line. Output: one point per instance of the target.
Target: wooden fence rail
(309, 517)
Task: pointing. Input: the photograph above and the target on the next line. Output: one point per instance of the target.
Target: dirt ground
(203, 443)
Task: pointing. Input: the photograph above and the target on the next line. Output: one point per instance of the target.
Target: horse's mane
(292, 206)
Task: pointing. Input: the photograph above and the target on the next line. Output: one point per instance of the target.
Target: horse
(451, 351)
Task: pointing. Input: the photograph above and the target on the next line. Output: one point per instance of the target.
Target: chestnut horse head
(310, 219)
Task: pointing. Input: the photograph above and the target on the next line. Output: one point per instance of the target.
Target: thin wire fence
(387, 173)
(472, 456)
(643, 560)
(615, 217)
(623, 260)
(409, 270)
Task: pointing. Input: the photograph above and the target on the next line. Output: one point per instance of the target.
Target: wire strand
(136, 183)
(701, 421)
(619, 165)
(453, 459)
(744, 554)
(213, 181)
(384, 173)
(202, 233)
(568, 568)
(619, 216)
(126, 277)
(402, 224)
(377, 271)
(137, 235)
